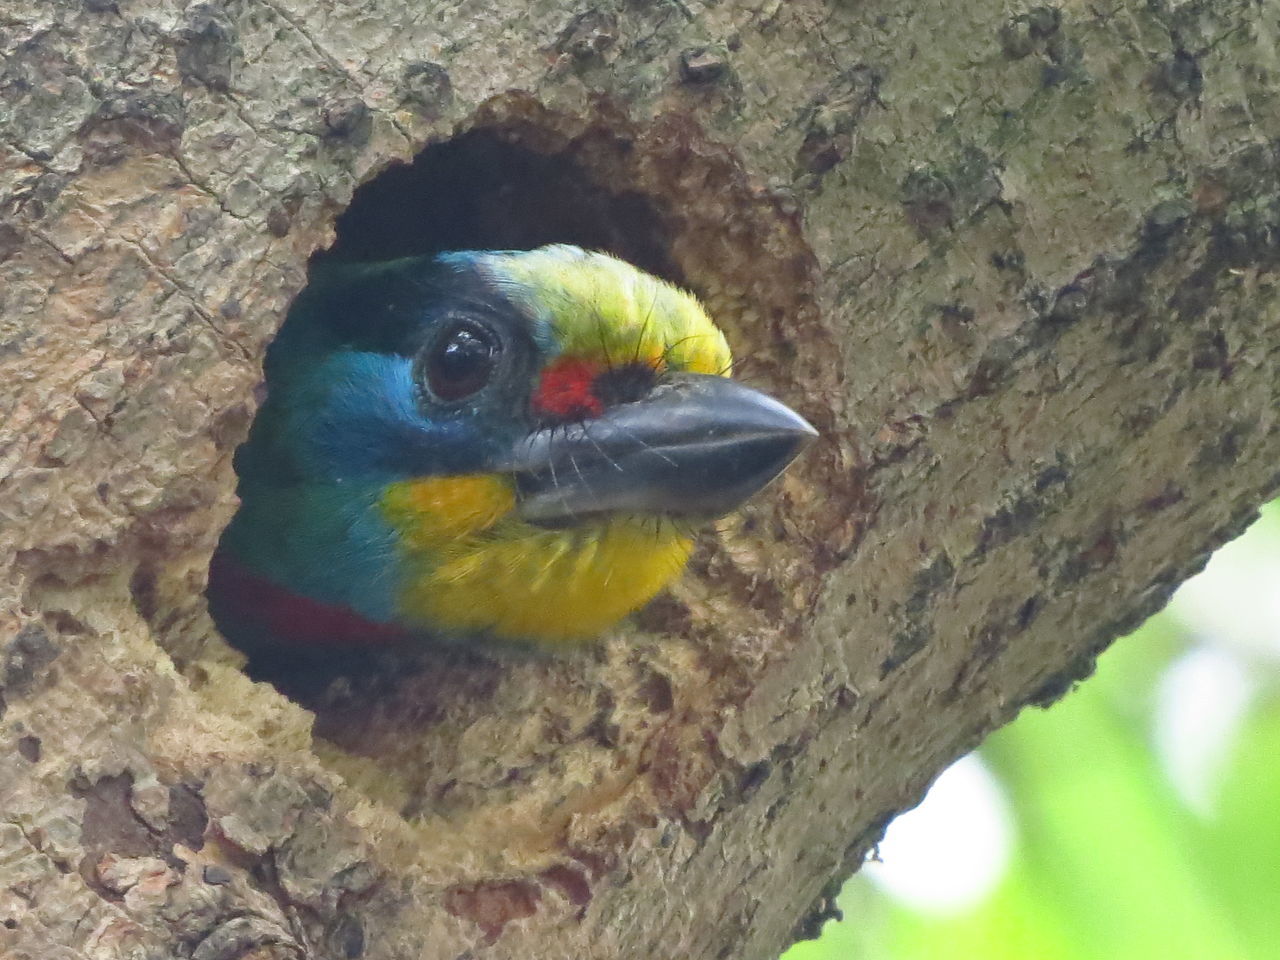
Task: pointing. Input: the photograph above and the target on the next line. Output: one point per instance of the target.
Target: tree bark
(1016, 263)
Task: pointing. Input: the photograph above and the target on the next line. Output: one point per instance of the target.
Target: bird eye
(461, 361)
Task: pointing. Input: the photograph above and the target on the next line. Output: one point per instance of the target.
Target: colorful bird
(511, 447)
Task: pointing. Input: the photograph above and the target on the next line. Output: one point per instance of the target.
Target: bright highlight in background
(948, 853)
(1201, 702)
(1235, 601)
(1233, 607)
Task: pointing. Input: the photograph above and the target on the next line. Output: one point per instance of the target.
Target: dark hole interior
(480, 191)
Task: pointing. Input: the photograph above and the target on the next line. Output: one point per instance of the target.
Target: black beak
(696, 447)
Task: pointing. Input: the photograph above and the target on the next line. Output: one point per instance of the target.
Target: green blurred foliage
(1109, 862)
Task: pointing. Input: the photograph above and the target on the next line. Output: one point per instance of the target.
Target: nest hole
(671, 203)
(483, 190)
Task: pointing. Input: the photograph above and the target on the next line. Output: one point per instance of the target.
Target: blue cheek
(359, 419)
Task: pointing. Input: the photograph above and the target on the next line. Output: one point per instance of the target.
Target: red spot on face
(566, 390)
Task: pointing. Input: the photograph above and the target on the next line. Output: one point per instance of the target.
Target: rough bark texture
(1017, 263)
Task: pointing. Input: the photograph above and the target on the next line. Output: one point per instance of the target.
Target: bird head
(509, 445)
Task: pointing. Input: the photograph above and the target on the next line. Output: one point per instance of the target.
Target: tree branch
(1019, 271)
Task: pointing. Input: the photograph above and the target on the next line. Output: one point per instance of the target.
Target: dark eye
(461, 361)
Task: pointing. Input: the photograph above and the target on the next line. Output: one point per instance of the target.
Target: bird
(500, 449)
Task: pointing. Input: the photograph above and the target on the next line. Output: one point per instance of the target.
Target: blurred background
(1139, 817)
